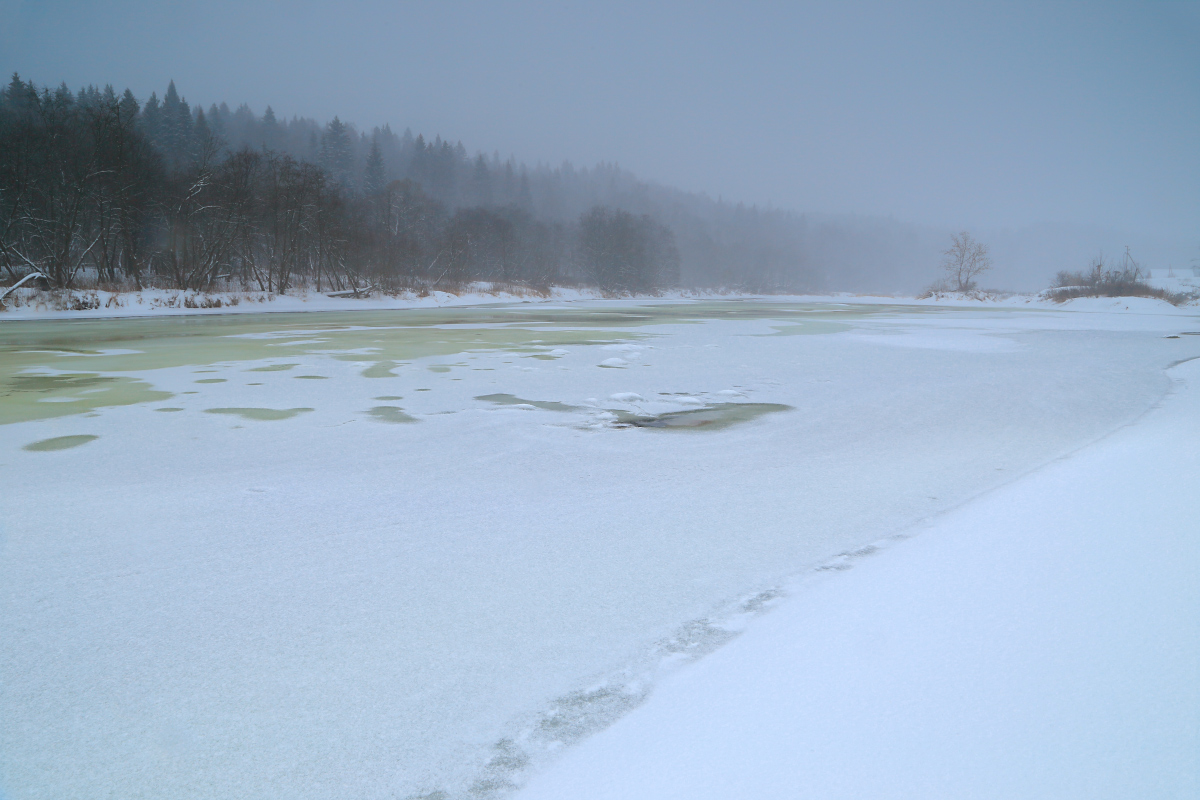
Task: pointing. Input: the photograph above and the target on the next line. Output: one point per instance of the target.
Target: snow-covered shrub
(1104, 281)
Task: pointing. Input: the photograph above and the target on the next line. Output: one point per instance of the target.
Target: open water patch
(60, 382)
(263, 414)
(381, 369)
(272, 368)
(550, 355)
(392, 414)
(26, 397)
(59, 443)
(808, 328)
(711, 417)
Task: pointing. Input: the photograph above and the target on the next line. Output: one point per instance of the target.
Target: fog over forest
(794, 147)
(158, 191)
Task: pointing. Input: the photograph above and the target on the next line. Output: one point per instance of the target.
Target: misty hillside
(721, 244)
(160, 192)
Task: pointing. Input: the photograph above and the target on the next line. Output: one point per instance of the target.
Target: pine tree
(336, 156)
(243, 128)
(16, 93)
(216, 123)
(271, 133)
(170, 139)
(185, 136)
(524, 195)
(510, 182)
(128, 106)
(176, 130)
(374, 175)
(109, 98)
(481, 182)
(152, 120)
(204, 144)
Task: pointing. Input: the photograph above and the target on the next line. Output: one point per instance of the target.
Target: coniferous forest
(100, 188)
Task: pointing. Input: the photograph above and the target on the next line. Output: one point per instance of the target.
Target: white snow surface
(1042, 641)
(412, 553)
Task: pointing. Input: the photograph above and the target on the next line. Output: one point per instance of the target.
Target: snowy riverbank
(99, 304)
(1040, 641)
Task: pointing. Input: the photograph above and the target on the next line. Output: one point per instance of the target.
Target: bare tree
(964, 261)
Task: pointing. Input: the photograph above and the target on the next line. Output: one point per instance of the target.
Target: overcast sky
(956, 114)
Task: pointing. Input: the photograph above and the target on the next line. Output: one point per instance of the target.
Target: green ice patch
(265, 414)
(59, 443)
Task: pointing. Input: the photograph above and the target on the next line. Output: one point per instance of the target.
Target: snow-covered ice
(1042, 641)
(297, 596)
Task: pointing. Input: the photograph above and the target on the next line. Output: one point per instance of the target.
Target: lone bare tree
(964, 261)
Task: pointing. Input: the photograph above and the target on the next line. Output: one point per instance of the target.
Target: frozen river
(413, 553)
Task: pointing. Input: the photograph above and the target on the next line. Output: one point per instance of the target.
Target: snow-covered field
(397, 553)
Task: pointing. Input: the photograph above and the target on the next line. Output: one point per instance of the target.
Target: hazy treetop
(948, 114)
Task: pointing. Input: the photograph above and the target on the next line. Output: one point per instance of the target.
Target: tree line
(95, 185)
(99, 186)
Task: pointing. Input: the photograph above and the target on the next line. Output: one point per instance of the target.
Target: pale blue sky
(954, 114)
